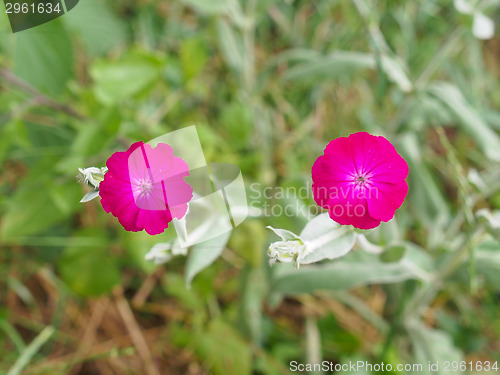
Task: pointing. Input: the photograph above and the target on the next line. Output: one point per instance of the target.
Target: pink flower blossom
(144, 187)
(360, 180)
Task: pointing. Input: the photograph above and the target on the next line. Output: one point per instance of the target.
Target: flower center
(145, 186)
(360, 180)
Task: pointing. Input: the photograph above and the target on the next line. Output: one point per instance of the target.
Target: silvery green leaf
(488, 261)
(295, 55)
(492, 218)
(208, 7)
(317, 226)
(341, 63)
(159, 253)
(469, 118)
(337, 64)
(396, 72)
(430, 202)
(476, 180)
(419, 261)
(432, 345)
(163, 252)
(492, 221)
(354, 269)
(483, 27)
(325, 239)
(393, 253)
(230, 43)
(89, 196)
(204, 254)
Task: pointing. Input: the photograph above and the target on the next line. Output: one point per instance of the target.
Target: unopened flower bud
(92, 176)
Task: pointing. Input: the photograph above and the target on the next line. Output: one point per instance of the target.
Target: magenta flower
(360, 180)
(144, 187)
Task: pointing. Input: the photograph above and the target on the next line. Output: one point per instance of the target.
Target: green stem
(313, 341)
(31, 350)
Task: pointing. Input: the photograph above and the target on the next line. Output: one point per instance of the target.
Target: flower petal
(360, 180)
(386, 199)
(388, 165)
(144, 187)
(353, 211)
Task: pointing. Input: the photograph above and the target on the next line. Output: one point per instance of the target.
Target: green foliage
(268, 84)
(223, 349)
(49, 48)
(89, 270)
(133, 73)
(203, 254)
(352, 270)
(488, 261)
(192, 58)
(435, 347)
(107, 32)
(393, 254)
(38, 205)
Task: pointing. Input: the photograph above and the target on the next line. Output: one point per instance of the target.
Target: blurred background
(268, 83)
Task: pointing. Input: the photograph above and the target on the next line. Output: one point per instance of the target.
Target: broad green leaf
(89, 271)
(43, 57)
(38, 205)
(393, 254)
(354, 269)
(107, 30)
(469, 118)
(118, 80)
(193, 57)
(89, 140)
(204, 254)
